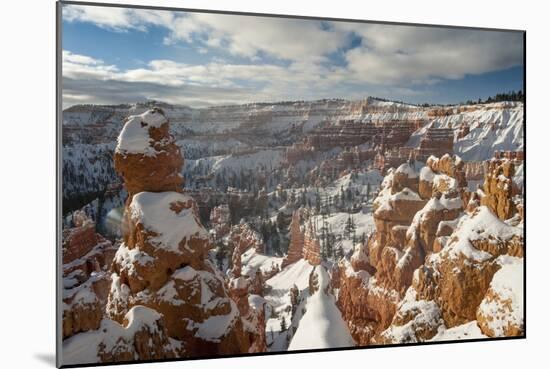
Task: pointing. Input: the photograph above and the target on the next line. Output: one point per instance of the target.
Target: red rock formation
(460, 285)
(141, 336)
(84, 300)
(437, 142)
(78, 241)
(295, 248)
(256, 324)
(220, 220)
(474, 250)
(163, 262)
(404, 177)
(442, 175)
(312, 247)
(510, 155)
(360, 258)
(463, 131)
(245, 291)
(147, 156)
(243, 237)
(499, 189)
(474, 170)
(86, 259)
(428, 267)
(501, 310)
(391, 209)
(371, 285)
(349, 133)
(366, 306)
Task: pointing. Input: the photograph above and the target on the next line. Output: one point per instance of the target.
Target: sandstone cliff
(162, 263)
(471, 279)
(87, 257)
(432, 264)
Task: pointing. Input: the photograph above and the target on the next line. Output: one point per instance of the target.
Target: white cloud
(77, 66)
(246, 36)
(289, 39)
(389, 58)
(217, 81)
(407, 54)
(117, 19)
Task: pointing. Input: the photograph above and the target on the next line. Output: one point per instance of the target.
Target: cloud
(84, 67)
(289, 39)
(407, 54)
(117, 19)
(197, 84)
(265, 58)
(246, 36)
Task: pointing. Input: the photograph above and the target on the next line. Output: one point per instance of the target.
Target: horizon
(419, 105)
(113, 56)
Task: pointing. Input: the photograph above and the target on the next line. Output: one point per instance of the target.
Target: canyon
(287, 226)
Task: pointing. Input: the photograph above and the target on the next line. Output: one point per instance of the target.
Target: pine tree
(338, 252)
(349, 228)
(283, 325)
(368, 191)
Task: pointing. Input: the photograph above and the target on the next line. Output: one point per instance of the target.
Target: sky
(121, 55)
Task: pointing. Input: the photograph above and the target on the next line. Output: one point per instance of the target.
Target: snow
(443, 202)
(134, 137)
(519, 177)
(426, 174)
(250, 161)
(83, 348)
(169, 294)
(481, 225)
(251, 260)
(238, 283)
(278, 300)
(297, 273)
(425, 314)
(209, 299)
(405, 168)
(468, 330)
(82, 294)
(405, 194)
(507, 283)
(385, 199)
(484, 138)
(360, 274)
(364, 224)
(153, 210)
(322, 326)
(256, 302)
(371, 177)
(139, 316)
(185, 274)
(128, 258)
(232, 165)
(216, 326)
(444, 181)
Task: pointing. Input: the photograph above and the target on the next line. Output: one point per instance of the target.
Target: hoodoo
(162, 263)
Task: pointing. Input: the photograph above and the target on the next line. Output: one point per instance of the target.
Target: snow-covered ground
(363, 221)
(492, 127)
(278, 298)
(321, 325)
(236, 163)
(252, 261)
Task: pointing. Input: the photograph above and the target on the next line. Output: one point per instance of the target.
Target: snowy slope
(322, 325)
(492, 127)
(364, 224)
(252, 261)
